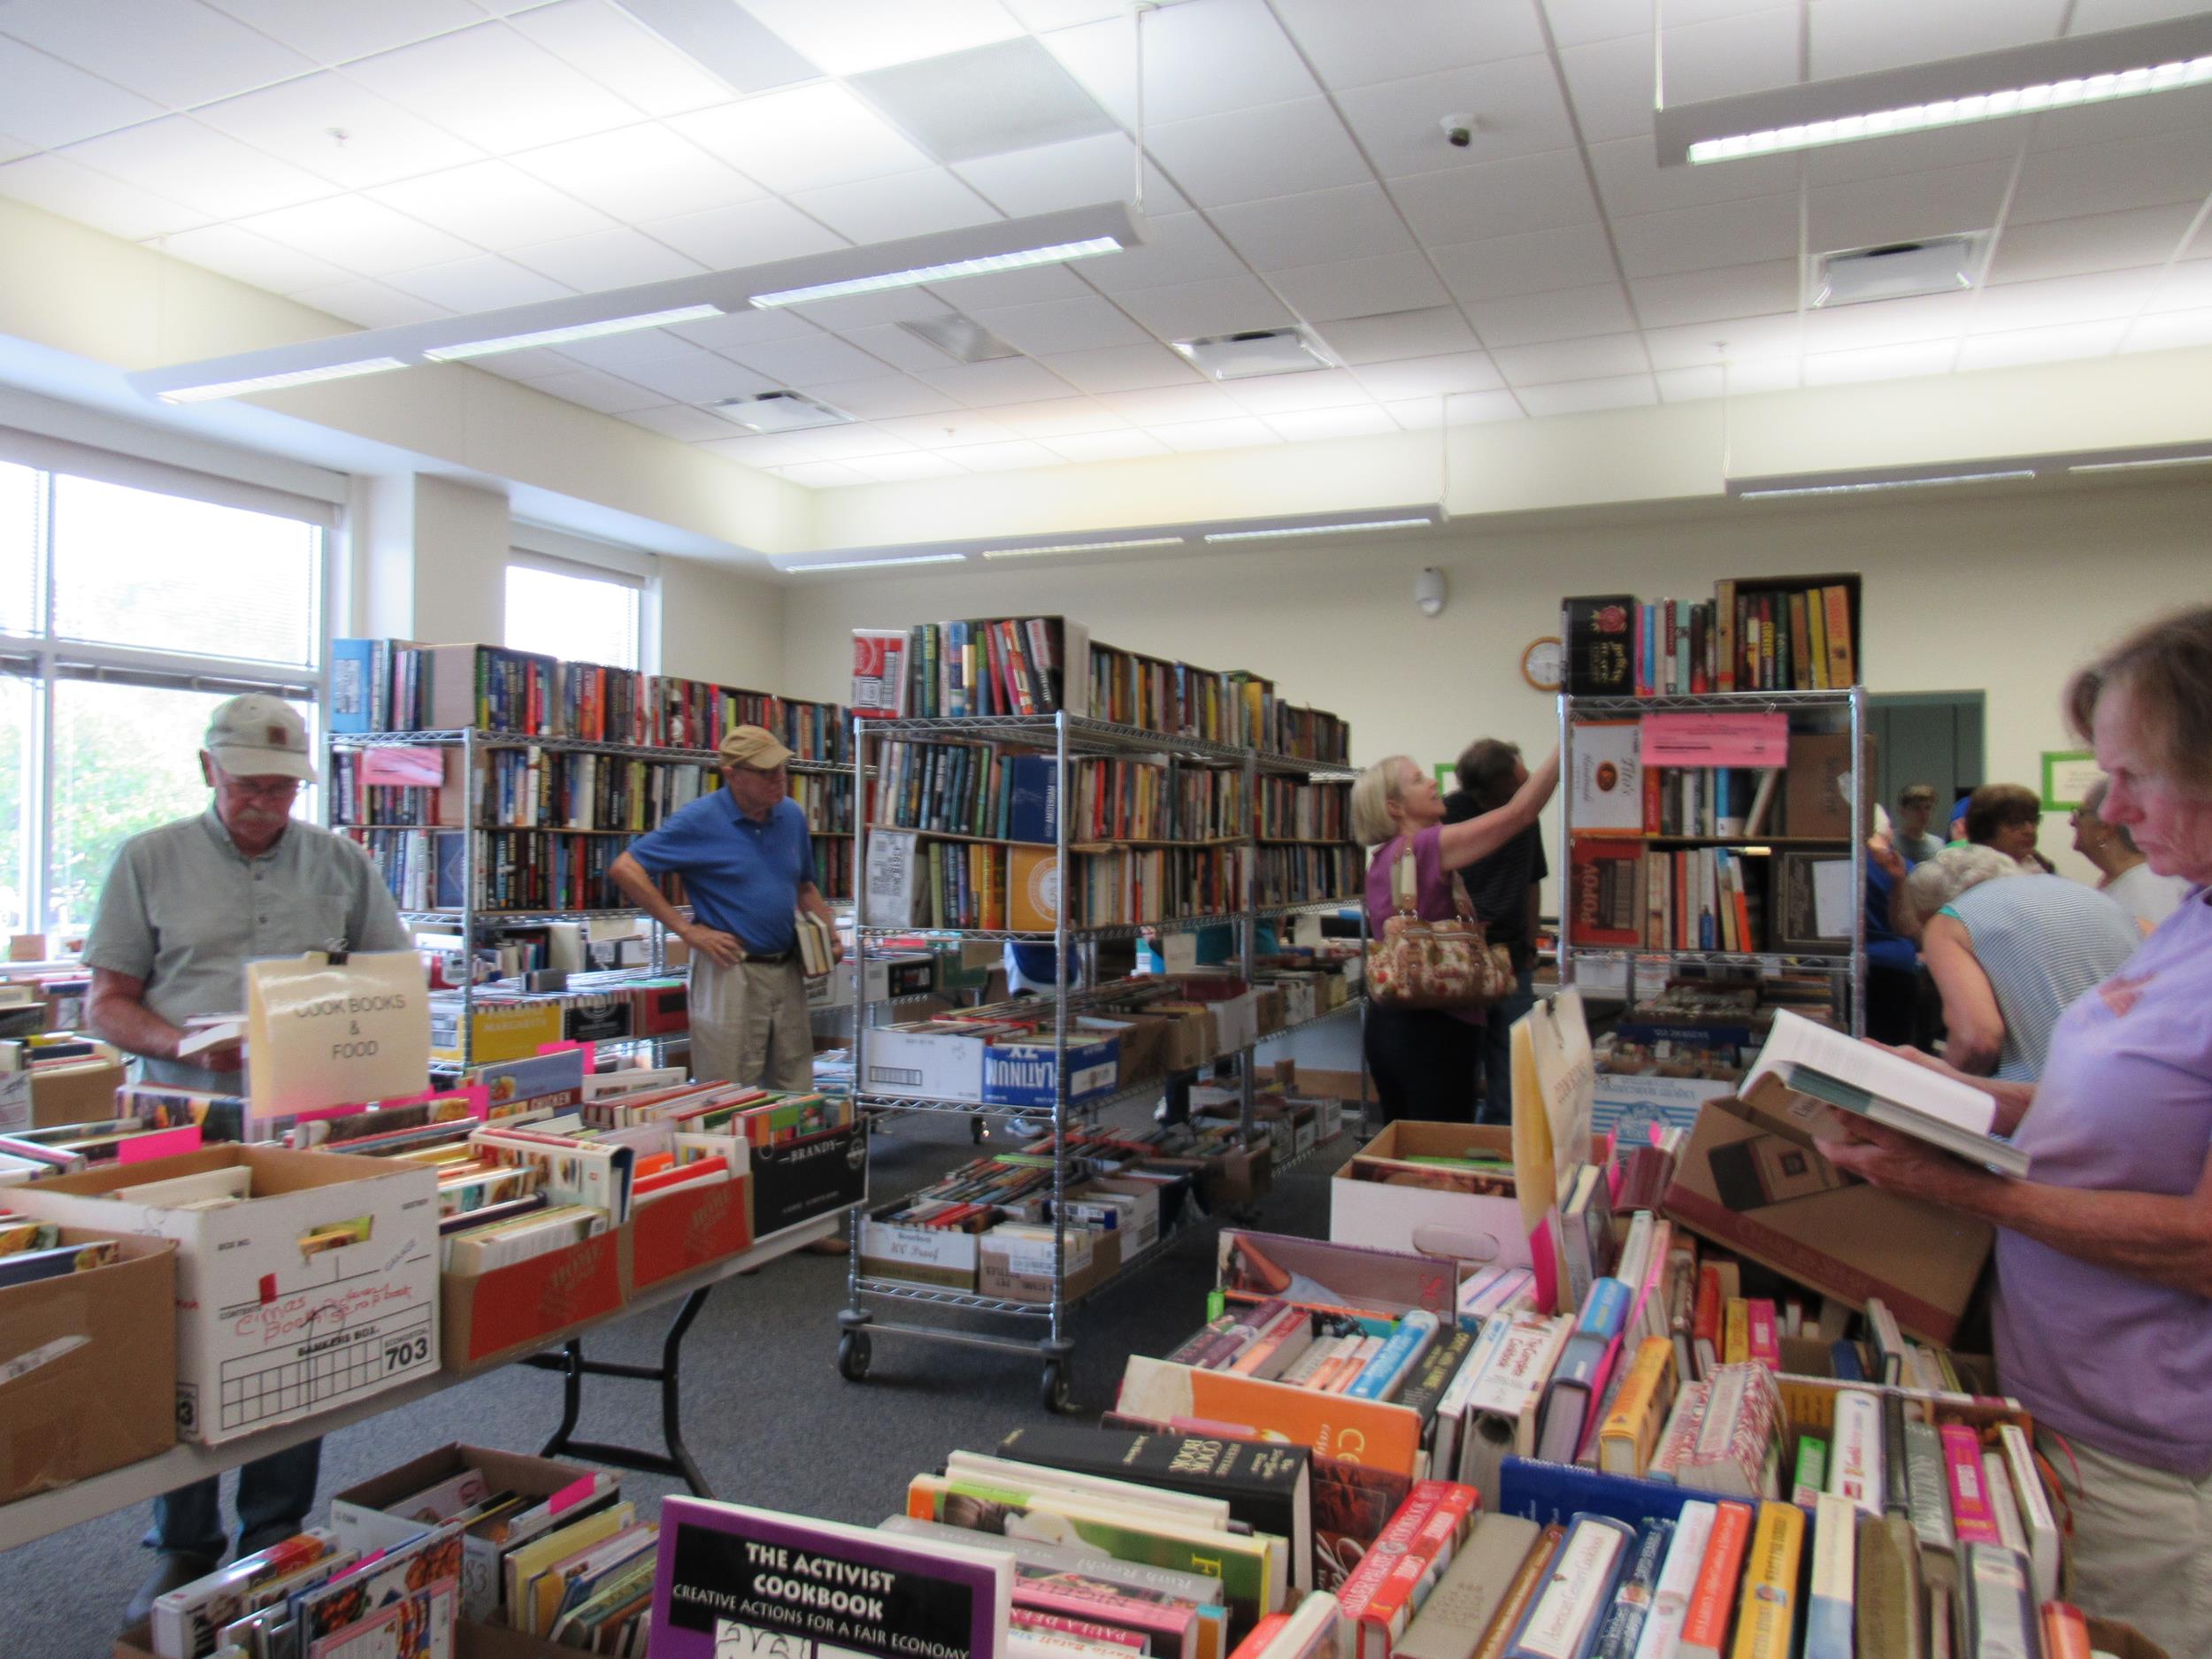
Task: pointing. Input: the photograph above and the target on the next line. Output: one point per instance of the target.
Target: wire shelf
(1721, 958)
(1712, 702)
(454, 737)
(898, 1290)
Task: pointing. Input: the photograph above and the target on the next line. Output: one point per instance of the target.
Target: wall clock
(1541, 664)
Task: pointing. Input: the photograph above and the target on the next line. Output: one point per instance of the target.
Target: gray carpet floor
(765, 1412)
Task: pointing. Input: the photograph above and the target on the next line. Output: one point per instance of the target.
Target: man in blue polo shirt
(748, 866)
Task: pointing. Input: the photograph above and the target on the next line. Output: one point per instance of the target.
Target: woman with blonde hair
(1424, 1060)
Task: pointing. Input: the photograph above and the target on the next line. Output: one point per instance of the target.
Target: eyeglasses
(262, 789)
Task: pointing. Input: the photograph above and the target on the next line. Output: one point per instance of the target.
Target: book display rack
(1091, 831)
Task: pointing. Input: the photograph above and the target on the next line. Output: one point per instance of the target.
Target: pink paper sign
(409, 768)
(162, 1143)
(1716, 740)
(589, 1050)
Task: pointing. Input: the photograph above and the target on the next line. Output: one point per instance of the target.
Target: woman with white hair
(1424, 1060)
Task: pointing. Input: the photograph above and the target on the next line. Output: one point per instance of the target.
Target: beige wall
(723, 628)
(1966, 593)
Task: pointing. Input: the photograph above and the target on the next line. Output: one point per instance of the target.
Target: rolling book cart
(1068, 740)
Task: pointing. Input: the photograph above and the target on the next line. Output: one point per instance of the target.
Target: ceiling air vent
(1256, 351)
(780, 412)
(1898, 269)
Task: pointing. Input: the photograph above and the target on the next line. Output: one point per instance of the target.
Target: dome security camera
(1459, 130)
(1428, 592)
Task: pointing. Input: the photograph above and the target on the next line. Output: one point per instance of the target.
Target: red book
(1712, 1599)
(1378, 1601)
(1705, 1321)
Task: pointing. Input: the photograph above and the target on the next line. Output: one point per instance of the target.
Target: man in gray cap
(182, 911)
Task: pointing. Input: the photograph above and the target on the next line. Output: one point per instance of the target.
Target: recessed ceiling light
(959, 337)
(573, 331)
(868, 564)
(1256, 351)
(1320, 529)
(277, 382)
(1081, 547)
(1900, 270)
(779, 411)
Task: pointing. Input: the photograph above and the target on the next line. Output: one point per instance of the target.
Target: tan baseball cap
(260, 736)
(752, 745)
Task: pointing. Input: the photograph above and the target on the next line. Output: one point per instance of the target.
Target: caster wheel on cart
(975, 1130)
(1054, 1394)
(852, 1356)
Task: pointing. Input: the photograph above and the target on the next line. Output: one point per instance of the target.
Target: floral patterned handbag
(1434, 964)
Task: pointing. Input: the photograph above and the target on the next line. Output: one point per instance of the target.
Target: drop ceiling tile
(2104, 178)
(251, 258)
(298, 120)
(734, 329)
(595, 390)
(702, 378)
(541, 100)
(639, 173)
(1561, 314)
(1686, 386)
(1396, 335)
(1517, 104)
(626, 354)
(1426, 414)
(481, 283)
(1241, 432)
(1872, 212)
(1121, 369)
(2184, 286)
(1219, 307)
(1737, 340)
(1904, 322)
(2042, 345)
(749, 234)
(51, 103)
(754, 450)
(949, 430)
(2058, 301)
(1320, 228)
(1601, 356)
(1246, 155)
(1058, 418)
(1735, 380)
(1272, 395)
(2090, 16)
(1001, 458)
(1199, 60)
(530, 362)
(1701, 238)
(368, 304)
(1038, 16)
(1183, 249)
(176, 52)
(1881, 363)
(1506, 199)
(1432, 377)
(803, 139)
(1574, 255)
(1578, 22)
(1361, 288)
(883, 396)
(492, 204)
(1073, 324)
(60, 186)
(904, 467)
(1749, 51)
(1304, 425)
(1576, 397)
(179, 159)
(1768, 374)
(13, 149)
(1874, 35)
(1032, 286)
(898, 348)
(1698, 296)
(847, 37)
(1610, 84)
(1107, 446)
(604, 260)
(680, 421)
(2129, 119)
(2171, 331)
(904, 205)
(1905, 153)
(333, 31)
(814, 361)
(1348, 49)
(603, 43)
(1173, 405)
(1009, 380)
(1631, 180)
(1075, 173)
(2101, 241)
(821, 474)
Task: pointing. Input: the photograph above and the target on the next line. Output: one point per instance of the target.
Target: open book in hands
(1866, 1081)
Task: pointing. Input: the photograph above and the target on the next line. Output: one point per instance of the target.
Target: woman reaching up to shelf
(1425, 1061)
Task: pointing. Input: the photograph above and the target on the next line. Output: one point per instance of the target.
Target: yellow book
(525, 1564)
(1816, 644)
(1630, 1430)
(1735, 1332)
(1766, 1613)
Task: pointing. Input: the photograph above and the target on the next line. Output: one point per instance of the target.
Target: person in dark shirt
(1503, 889)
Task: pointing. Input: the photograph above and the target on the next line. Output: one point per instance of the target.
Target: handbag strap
(1402, 885)
(1461, 902)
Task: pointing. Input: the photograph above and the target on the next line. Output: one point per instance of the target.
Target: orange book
(2065, 1632)
(1371, 1432)
(1843, 662)
(1713, 1600)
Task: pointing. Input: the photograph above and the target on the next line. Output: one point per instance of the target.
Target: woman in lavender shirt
(2104, 1252)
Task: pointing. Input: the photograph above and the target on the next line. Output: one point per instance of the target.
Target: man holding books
(748, 868)
(182, 910)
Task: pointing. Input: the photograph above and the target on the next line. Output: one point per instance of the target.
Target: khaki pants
(2142, 1545)
(749, 1024)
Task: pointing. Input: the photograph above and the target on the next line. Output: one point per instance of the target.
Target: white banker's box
(317, 1288)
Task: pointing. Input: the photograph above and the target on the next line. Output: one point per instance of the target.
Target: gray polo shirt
(184, 911)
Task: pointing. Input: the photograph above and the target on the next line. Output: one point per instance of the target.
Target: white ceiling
(497, 151)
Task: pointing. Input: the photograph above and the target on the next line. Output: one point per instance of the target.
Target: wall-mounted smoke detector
(1256, 351)
(780, 412)
(1897, 270)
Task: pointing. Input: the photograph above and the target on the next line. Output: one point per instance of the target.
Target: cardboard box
(80, 1093)
(596, 1019)
(943, 1256)
(1383, 1205)
(1141, 1229)
(686, 1230)
(924, 1064)
(660, 1009)
(1851, 1242)
(1027, 1073)
(1143, 1042)
(953, 1065)
(489, 1318)
(807, 1177)
(101, 1390)
(268, 1332)
(1253, 1267)
(1020, 1270)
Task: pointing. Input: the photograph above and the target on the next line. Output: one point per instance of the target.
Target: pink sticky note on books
(1716, 740)
(161, 1143)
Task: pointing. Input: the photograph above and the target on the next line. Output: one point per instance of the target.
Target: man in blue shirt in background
(748, 867)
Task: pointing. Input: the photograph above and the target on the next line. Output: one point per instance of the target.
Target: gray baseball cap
(260, 736)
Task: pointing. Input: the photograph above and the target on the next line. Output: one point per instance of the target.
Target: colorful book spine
(1760, 1342)
(1828, 1601)
(1713, 1597)
(1855, 1462)
(1671, 1598)
(1383, 1374)
(1972, 1520)
(2035, 1519)
(1735, 1344)
(1562, 1620)
(1630, 1433)
(1767, 1620)
(1810, 1479)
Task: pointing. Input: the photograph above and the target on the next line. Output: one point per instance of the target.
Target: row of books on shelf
(1698, 898)
(1803, 788)
(1779, 634)
(379, 685)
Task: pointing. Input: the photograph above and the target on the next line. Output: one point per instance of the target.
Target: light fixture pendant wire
(1136, 187)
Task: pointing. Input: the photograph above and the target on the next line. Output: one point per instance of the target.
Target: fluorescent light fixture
(1858, 487)
(1319, 529)
(1081, 547)
(2027, 80)
(918, 276)
(573, 331)
(868, 564)
(2128, 467)
(275, 382)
